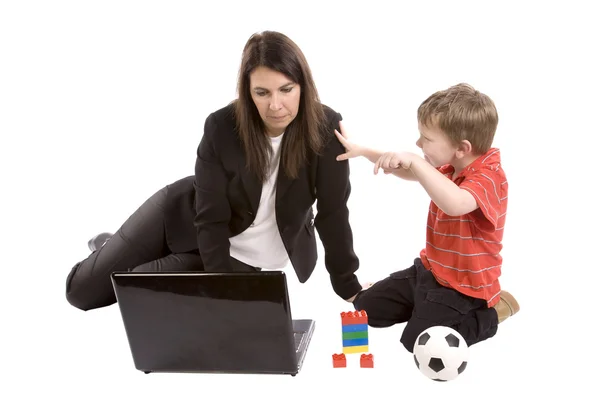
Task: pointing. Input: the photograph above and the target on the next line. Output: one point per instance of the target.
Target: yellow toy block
(355, 349)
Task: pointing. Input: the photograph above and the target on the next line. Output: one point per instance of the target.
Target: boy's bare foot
(507, 306)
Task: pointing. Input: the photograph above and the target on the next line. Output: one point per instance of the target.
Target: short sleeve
(489, 188)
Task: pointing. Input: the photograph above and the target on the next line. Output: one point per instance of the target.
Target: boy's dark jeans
(414, 296)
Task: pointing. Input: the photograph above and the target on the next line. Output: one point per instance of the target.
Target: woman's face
(276, 97)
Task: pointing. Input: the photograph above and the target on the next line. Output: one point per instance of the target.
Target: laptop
(207, 322)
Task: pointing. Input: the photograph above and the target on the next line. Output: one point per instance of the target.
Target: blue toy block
(355, 342)
(355, 328)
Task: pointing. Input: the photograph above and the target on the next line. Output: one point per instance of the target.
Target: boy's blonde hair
(462, 113)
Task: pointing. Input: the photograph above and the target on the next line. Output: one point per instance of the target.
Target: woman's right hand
(352, 149)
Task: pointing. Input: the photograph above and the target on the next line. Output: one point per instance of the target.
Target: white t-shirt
(260, 245)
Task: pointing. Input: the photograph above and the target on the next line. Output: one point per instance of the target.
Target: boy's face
(437, 148)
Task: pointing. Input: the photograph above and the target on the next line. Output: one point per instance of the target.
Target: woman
(262, 163)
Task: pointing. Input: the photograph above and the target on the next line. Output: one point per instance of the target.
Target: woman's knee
(79, 302)
(73, 294)
(83, 293)
(85, 302)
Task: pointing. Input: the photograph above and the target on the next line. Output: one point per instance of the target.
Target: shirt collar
(489, 160)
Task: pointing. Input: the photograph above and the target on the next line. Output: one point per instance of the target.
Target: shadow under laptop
(211, 322)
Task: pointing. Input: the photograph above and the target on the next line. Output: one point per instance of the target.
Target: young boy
(454, 281)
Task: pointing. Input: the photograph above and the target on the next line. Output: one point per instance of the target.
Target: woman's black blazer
(220, 201)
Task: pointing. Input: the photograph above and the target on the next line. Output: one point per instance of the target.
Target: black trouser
(139, 245)
(414, 296)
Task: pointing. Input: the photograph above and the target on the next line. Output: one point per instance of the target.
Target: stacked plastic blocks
(355, 332)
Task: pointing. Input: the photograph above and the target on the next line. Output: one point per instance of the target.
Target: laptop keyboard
(298, 339)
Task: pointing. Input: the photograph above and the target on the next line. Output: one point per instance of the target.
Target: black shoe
(98, 241)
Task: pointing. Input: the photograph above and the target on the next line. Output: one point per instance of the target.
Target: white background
(102, 103)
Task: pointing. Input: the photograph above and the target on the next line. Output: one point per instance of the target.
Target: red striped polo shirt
(463, 252)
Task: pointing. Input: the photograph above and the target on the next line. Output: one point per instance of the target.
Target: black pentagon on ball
(436, 364)
(452, 340)
(462, 367)
(424, 338)
(416, 361)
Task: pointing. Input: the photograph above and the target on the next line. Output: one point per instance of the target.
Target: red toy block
(354, 317)
(339, 360)
(366, 360)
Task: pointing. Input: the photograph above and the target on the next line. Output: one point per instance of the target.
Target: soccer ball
(441, 353)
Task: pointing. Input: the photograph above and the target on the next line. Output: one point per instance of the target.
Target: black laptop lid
(219, 322)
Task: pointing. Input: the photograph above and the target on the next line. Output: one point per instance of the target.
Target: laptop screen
(207, 321)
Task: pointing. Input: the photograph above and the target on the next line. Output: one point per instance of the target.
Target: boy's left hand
(352, 149)
(392, 160)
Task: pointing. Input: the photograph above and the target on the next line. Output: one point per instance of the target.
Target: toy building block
(355, 349)
(354, 317)
(339, 360)
(355, 332)
(366, 360)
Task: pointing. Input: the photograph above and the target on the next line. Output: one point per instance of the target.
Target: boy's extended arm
(355, 150)
(374, 155)
(450, 198)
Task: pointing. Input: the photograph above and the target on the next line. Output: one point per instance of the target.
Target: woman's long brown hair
(304, 134)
